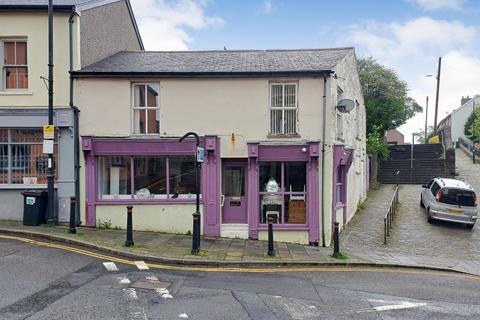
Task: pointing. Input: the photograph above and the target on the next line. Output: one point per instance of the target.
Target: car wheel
(470, 226)
(429, 216)
(421, 202)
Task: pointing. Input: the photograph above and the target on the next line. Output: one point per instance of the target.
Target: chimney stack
(465, 100)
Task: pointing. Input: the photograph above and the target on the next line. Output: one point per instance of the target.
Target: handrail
(389, 215)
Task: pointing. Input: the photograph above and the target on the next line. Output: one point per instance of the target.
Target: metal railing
(389, 215)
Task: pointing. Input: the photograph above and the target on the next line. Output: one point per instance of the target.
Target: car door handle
(222, 200)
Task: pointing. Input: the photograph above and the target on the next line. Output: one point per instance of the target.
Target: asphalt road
(44, 283)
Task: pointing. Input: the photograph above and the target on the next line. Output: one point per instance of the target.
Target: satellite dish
(345, 105)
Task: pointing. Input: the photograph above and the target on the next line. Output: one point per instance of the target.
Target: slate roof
(64, 5)
(224, 62)
(44, 2)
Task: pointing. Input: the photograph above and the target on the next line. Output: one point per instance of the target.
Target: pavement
(413, 241)
(40, 283)
(175, 248)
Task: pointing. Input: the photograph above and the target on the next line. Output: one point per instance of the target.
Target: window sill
(24, 186)
(280, 136)
(15, 93)
(294, 227)
(145, 201)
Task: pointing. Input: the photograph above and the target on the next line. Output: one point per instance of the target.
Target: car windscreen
(458, 197)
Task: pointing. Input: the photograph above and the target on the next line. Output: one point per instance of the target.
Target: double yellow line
(237, 269)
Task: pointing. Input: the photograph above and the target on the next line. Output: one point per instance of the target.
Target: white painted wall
(171, 218)
(354, 124)
(239, 106)
(460, 117)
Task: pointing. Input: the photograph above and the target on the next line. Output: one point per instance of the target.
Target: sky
(407, 36)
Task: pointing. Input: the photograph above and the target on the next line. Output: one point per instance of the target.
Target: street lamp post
(50, 170)
(473, 133)
(196, 214)
(426, 121)
(437, 94)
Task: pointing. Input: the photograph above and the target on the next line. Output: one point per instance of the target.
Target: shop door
(234, 198)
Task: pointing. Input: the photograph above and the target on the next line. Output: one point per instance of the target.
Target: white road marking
(152, 279)
(142, 315)
(299, 310)
(183, 315)
(398, 306)
(110, 266)
(131, 293)
(164, 293)
(124, 280)
(141, 265)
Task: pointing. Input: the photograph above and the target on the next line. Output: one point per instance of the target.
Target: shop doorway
(234, 192)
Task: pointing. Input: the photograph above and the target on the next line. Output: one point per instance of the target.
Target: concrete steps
(427, 163)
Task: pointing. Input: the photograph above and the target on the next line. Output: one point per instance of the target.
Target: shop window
(22, 160)
(283, 108)
(153, 177)
(283, 192)
(114, 177)
(14, 64)
(182, 176)
(150, 177)
(146, 108)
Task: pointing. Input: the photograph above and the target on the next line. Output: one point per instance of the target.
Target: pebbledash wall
(232, 116)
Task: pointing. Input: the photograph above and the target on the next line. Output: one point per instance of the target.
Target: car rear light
(438, 197)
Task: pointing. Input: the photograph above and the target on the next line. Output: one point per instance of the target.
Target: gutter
(29, 8)
(150, 74)
(76, 134)
(324, 124)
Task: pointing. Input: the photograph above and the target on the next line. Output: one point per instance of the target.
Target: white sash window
(283, 109)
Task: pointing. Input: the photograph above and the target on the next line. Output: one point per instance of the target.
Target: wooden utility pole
(438, 90)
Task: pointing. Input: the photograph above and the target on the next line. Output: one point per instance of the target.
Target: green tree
(472, 126)
(376, 143)
(420, 135)
(386, 96)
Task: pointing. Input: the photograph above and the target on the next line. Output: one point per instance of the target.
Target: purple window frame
(308, 152)
(132, 198)
(210, 173)
(284, 193)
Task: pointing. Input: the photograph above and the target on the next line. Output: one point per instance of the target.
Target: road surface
(47, 283)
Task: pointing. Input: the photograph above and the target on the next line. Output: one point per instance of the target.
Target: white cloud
(391, 42)
(412, 49)
(439, 4)
(164, 24)
(266, 7)
(458, 78)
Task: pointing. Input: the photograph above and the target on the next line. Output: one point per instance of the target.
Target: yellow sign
(48, 132)
(434, 140)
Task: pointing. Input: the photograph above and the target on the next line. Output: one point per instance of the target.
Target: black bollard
(72, 229)
(196, 233)
(271, 249)
(336, 240)
(129, 242)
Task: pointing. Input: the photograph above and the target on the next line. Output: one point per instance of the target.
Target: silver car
(449, 200)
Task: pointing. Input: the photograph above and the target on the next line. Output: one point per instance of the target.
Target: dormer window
(14, 64)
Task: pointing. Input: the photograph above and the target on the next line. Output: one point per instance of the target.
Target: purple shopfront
(129, 171)
(277, 180)
(283, 183)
